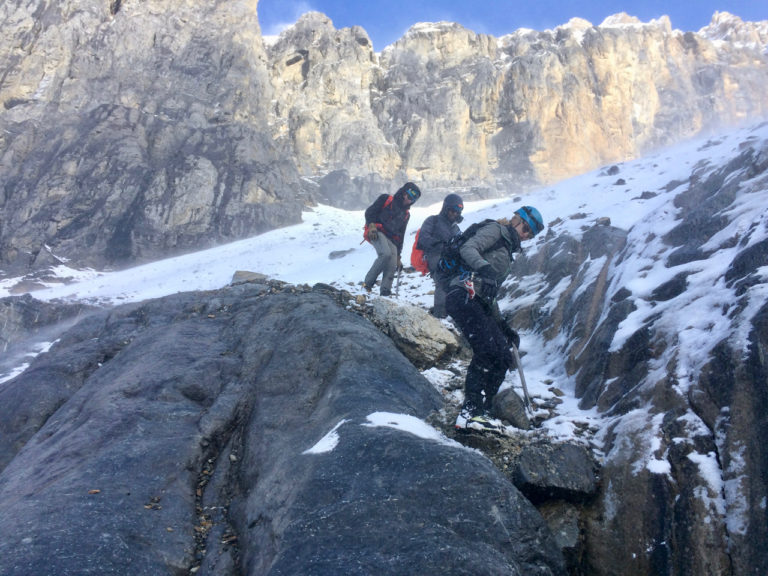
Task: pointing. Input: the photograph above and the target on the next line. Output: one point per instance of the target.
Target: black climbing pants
(490, 349)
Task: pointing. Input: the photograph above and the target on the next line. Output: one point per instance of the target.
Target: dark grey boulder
(547, 471)
(245, 431)
(509, 407)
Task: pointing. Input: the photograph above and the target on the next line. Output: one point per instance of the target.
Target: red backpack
(418, 260)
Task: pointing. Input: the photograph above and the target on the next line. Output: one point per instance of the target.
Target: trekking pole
(528, 403)
(397, 284)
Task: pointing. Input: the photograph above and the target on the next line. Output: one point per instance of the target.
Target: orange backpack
(418, 260)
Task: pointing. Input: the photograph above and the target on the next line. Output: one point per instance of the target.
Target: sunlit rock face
(323, 80)
(472, 111)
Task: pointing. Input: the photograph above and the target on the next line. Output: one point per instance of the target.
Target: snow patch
(409, 424)
(327, 443)
(709, 470)
(36, 348)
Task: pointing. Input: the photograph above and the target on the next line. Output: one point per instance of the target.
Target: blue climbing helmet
(532, 217)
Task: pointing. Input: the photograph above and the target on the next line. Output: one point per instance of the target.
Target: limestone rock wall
(478, 113)
(132, 130)
(323, 79)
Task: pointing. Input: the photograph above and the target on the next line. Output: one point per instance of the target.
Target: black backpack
(450, 263)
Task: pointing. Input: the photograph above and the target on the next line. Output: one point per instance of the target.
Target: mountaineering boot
(471, 418)
(476, 412)
(474, 400)
(484, 423)
(468, 411)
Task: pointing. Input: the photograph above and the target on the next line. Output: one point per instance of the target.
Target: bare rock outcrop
(421, 337)
(248, 430)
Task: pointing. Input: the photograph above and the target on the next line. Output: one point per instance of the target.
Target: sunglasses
(458, 208)
(412, 194)
(531, 220)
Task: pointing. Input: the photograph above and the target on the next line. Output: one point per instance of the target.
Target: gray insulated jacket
(436, 231)
(485, 248)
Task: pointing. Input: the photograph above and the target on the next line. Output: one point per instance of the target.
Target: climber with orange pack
(432, 236)
(385, 223)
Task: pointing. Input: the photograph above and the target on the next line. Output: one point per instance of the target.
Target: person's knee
(489, 357)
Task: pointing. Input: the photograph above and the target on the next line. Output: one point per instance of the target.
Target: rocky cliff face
(132, 130)
(683, 459)
(474, 112)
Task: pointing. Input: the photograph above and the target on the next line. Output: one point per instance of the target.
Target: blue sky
(386, 21)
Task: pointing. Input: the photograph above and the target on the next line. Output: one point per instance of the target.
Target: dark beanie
(452, 200)
(409, 186)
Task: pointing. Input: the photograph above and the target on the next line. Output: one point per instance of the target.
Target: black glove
(373, 232)
(488, 285)
(513, 338)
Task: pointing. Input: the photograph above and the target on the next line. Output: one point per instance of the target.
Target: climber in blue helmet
(486, 261)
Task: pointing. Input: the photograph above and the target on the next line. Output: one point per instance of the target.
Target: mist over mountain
(131, 131)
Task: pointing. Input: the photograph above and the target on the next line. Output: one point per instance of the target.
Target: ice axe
(527, 398)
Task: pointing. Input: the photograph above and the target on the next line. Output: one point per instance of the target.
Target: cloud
(284, 16)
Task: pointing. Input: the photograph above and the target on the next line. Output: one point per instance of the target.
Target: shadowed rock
(248, 432)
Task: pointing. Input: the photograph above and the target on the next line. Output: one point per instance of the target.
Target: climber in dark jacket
(471, 302)
(435, 232)
(385, 222)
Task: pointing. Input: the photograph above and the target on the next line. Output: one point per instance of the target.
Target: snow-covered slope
(327, 248)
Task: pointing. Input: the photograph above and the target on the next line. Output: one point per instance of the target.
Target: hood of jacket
(450, 201)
